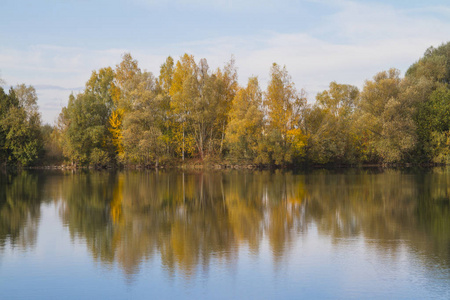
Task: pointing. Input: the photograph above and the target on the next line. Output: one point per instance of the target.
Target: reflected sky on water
(249, 235)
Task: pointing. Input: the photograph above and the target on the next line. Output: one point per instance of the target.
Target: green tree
(434, 65)
(334, 137)
(51, 153)
(20, 125)
(84, 123)
(142, 137)
(433, 120)
(428, 81)
(387, 117)
(6, 102)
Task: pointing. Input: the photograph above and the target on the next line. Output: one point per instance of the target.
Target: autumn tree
(121, 90)
(209, 110)
(194, 111)
(284, 139)
(333, 136)
(166, 75)
(183, 92)
(142, 137)
(164, 84)
(126, 76)
(245, 127)
(227, 87)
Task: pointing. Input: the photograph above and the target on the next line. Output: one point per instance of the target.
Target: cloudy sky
(55, 44)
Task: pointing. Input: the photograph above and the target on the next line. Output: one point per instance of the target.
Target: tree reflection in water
(20, 200)
(188, 220)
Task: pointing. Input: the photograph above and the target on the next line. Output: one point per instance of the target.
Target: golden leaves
(115, 121)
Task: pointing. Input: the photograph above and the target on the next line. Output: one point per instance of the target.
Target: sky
(54, 45)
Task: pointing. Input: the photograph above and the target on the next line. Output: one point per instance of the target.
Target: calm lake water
(225, 235)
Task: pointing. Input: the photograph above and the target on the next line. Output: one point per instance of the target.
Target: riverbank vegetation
(128, 116)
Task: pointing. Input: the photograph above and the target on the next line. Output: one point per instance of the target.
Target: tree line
(128, 116)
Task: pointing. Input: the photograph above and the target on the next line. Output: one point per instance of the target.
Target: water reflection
(186, 220)
(20, 199)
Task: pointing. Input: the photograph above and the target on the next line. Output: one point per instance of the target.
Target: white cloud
(54, 65)
(359, 22)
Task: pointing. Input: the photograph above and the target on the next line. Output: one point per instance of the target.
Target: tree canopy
(128, 116)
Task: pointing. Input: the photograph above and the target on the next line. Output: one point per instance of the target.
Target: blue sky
(55, 45)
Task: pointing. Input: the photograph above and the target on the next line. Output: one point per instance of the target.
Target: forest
(190, 114)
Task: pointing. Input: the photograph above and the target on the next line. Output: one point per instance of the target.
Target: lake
(346, 234)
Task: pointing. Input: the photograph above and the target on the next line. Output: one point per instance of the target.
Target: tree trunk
(221, 141)
(182, 150)
(210, 141)
(201, 145)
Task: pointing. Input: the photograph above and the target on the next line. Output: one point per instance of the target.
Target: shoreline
(229, 166)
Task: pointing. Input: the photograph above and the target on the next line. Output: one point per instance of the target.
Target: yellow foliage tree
(284, 111)
(115, 122)
(298, 141)
(116, 202)
(182, 92)
(246, 122)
